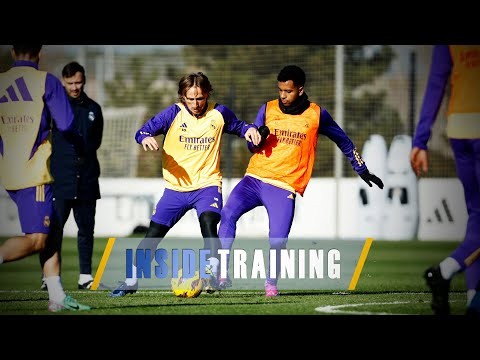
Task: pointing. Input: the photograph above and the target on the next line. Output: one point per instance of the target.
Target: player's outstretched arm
(369, 177)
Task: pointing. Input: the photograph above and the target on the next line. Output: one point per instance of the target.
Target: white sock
(83, 278)
(214, 263)
(133, 280)
(449, 267)
(470, 294)
(1, 259)
(55, 289)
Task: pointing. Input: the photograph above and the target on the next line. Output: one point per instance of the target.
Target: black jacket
(74, 177)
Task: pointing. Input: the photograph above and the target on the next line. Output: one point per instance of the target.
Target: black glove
(367, 176)
(264, 132)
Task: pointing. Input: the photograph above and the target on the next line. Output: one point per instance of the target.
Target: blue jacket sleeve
(97, 132)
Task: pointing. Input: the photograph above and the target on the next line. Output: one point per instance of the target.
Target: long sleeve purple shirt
(440, 70)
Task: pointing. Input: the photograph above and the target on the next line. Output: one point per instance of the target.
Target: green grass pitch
(391, 283)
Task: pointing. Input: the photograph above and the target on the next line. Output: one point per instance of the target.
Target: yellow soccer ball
(187, 288)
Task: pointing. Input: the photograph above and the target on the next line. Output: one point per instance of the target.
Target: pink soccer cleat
(271, 290)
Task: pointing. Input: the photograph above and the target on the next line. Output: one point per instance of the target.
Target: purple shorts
(35, 208)
(174, 204)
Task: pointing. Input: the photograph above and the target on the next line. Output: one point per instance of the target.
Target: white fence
(128, 202)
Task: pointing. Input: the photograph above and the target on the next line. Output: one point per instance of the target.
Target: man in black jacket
(76, 185)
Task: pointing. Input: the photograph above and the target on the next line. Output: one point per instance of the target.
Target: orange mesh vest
(289, 153)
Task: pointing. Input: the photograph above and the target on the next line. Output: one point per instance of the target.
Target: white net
(118, 154)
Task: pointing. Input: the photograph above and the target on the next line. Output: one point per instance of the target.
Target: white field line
(337, 309)
(328, 309)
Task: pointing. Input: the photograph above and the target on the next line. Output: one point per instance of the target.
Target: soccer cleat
(124, 289)
(271, 290)
(210, 284)
(85, 286)
(440, 288)
(68, 303)
(224, 283)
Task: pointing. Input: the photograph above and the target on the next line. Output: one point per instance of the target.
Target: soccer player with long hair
(193, 129)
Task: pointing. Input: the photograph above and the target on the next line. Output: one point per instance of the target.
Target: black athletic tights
(208, 225)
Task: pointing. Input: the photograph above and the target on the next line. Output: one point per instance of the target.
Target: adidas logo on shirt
(17, 93)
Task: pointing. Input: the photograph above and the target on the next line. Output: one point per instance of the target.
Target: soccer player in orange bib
(282, 165)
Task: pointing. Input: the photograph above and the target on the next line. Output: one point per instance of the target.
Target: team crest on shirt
(91, 116)
(46, 221)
